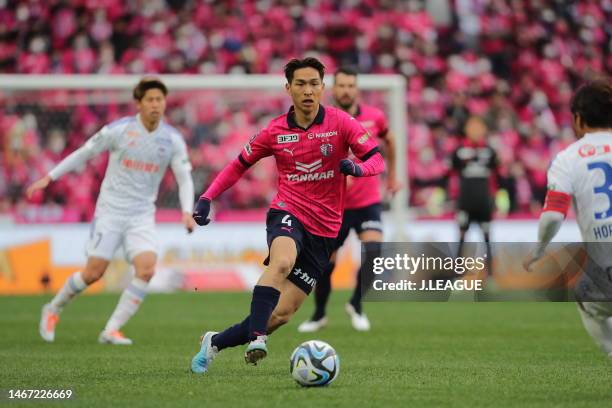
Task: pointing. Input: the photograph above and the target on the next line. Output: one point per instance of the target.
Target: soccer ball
(314, 363)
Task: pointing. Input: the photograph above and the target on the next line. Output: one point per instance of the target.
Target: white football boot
(256, 350)
(48, 320)
(311, 326)
(114, 337)
(360, 322)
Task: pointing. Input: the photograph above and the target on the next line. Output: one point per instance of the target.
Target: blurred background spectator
(514, 62)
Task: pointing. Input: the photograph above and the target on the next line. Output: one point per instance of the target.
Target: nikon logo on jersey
(292, 138)
(326, 134)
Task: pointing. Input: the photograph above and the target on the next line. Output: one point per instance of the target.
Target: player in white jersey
(583, 171)
(141, 148)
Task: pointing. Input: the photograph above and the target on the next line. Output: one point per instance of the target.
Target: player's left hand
(393, 186)
(350, 168)
(188, 222)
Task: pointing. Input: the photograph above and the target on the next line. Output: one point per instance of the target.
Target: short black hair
(346, 70)
(593, 102)
(148, 83)
(308, 62)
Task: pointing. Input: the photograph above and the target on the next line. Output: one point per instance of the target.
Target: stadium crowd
(513, 62)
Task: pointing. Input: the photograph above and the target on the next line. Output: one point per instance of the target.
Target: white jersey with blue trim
(137, 162)
(584, 171)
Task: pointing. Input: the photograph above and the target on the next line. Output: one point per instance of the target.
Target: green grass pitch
(417, 355)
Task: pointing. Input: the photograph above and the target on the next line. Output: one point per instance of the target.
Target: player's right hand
(39, 184)
(201, 211)
(532, 258)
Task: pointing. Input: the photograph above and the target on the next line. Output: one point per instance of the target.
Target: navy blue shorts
(359, 219)
(313, 251)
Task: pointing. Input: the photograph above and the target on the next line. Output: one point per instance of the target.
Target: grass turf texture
(417, 354)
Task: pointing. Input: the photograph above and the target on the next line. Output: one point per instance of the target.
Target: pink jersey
(364, 191)
(310, 185)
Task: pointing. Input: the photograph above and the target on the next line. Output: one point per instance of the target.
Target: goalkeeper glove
(201, 211)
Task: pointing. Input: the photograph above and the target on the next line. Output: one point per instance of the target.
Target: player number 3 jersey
(584, 171)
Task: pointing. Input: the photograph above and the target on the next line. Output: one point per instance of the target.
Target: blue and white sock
(72, 287)
(129, 302)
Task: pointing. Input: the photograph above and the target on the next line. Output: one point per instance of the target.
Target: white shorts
(137, 235)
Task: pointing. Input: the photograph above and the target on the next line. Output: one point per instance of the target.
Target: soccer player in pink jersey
(362, 202)
(310, 144)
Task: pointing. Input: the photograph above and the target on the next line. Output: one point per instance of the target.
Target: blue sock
(232, 336)
(264, 301)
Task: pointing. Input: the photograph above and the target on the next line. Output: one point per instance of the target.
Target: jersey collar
(317, 120)
(159, 125)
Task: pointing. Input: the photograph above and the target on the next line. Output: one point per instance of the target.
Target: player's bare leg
(266, 295)
(283, 254)
(75, 284)
(290, 300)
(130, 300)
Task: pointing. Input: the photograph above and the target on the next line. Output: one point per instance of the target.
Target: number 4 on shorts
(286, 220)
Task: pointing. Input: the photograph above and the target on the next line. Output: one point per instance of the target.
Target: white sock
(73, 286)
(129, 302)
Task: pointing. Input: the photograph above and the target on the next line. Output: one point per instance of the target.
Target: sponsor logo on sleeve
(589, 150)
(247, 147)
(363, 138)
